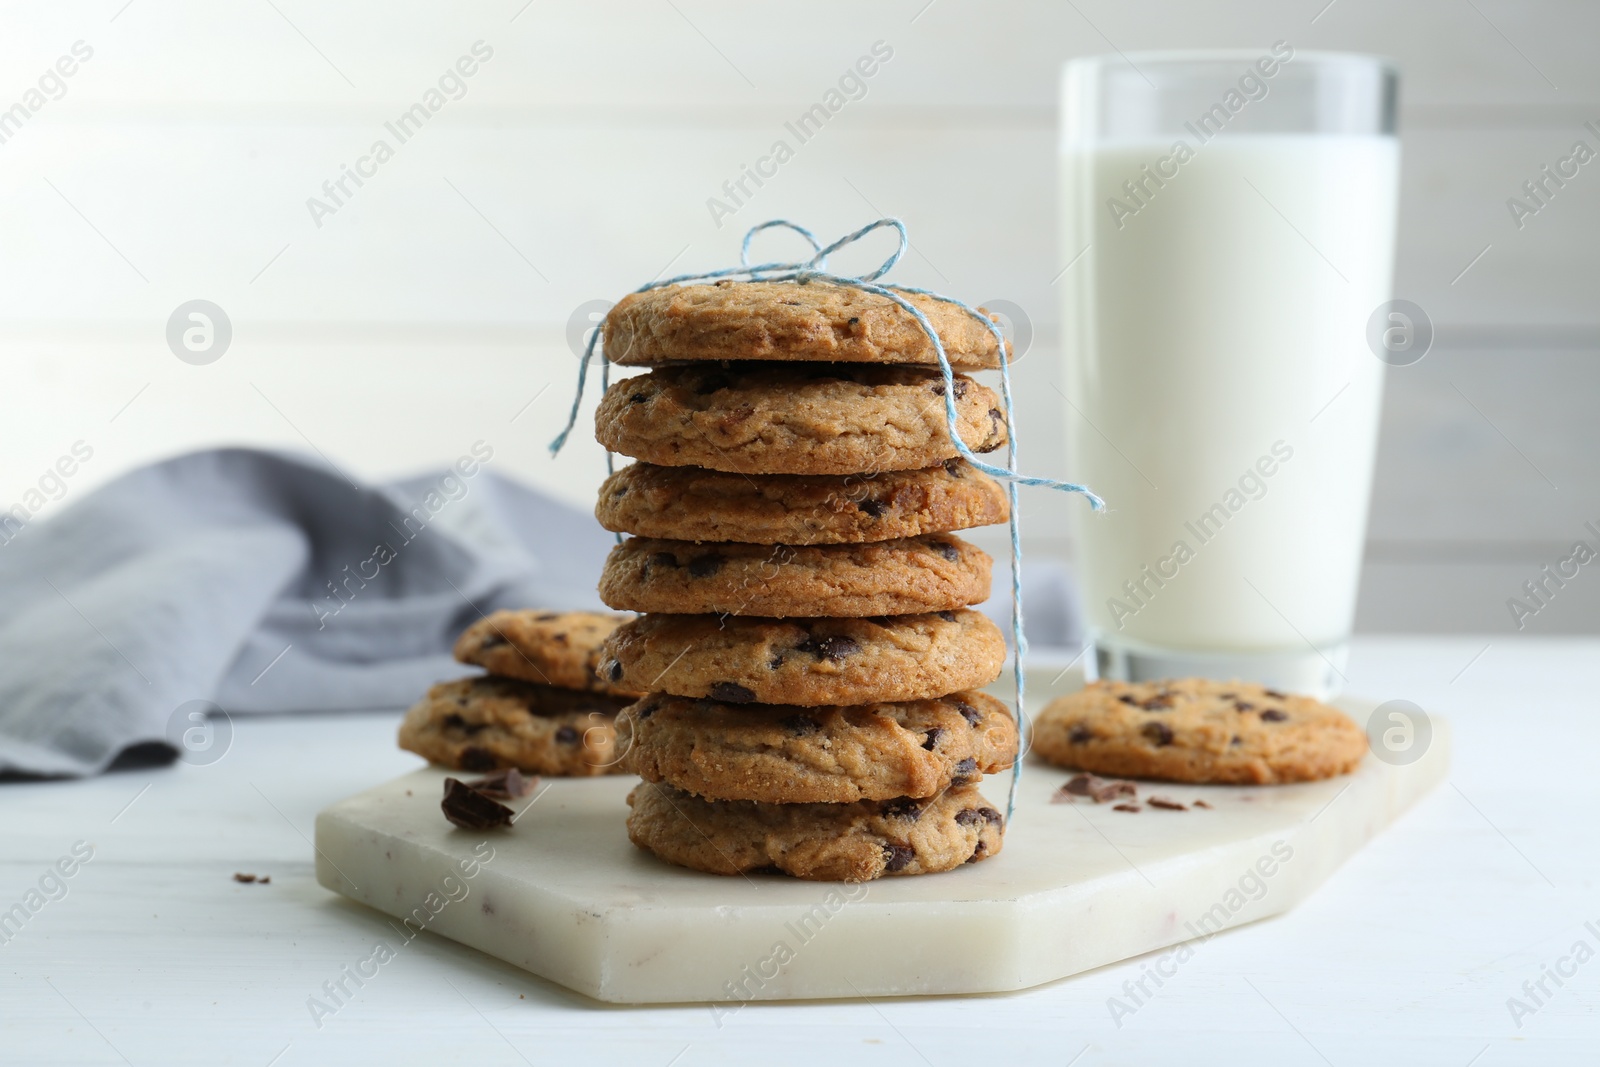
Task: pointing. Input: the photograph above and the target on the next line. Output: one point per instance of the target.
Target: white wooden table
(155, 955)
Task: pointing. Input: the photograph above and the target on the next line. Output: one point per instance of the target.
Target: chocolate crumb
(1166, 804)
(1126, 807)
(470, 809)
(1202, 804)
(247, 879)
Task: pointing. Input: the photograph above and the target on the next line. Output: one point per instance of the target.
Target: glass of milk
(1228, 221)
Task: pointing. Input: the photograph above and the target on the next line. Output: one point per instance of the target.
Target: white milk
(1214, 337)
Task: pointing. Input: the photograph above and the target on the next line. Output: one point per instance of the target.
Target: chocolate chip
(504, 784)
(473, 758)
(775, 662)
(801, 725)
(1240, 705)
(975, 815)
(1128, 699)
(638, 398)
(968, 712)
(705, 566)
(853, 320)
(470, 809)
(664, 559)
(615, 673)
(567, 735)
(731, 693)
(1166, 804)
(1158, 733)
(961, 388)
(963, 770)
(648, 710)
(710, 384)
(1079, 734)
(874, 508)
(953, 467)
(492, 641)
(835, 648)
(902, 808)
(897, 857)
(977, 852)
(931, 738)
(946, 549)
(947, 616)
(1274, 715)
(1237, 740)
(1159, 702)
(1276, 694)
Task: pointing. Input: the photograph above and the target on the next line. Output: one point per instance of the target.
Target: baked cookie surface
(778, 418)
(559, 648)
(826, 755)
(787, 321)
(823, 842)
(1197, 730)
(938, 572)
(696, 504)
(483, 724)
(749, 660)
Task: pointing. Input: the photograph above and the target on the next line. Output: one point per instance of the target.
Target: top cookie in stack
(808, 641)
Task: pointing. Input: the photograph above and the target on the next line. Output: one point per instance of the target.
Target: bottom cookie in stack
(542, 709)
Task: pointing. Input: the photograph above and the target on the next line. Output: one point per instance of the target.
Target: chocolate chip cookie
(823, 842)
(695, 504)
(744, 660)
(939, 572)
(560, 648)
(1196, 730)
(776, 418)
(481, 724)
(827, 755)
(789, 321)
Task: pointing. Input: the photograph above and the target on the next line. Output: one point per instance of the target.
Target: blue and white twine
(804, 272)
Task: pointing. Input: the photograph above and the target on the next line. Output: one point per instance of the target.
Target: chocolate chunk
(615, 673)
(902, 808)
(875, 508)
(1079, 734)
(474, 758)
(705, 566)
(931, 738)
(1159, 733)
(1165, 803)
(945, 549)
(968, 712)
(1126, 807)
(504, 784)
(470, 809)
(801, 725)
(1274, 715)
(947, 616)
(731, 693)
(567, 735)
(897, 857)
(834, 648)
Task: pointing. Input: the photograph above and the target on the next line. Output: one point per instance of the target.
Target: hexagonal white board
(1078, 885)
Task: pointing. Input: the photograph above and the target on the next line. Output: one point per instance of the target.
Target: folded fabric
(260, 582)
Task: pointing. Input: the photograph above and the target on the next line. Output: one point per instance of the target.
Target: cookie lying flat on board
(786, 321)
(1198, 730)
(823, 842)
(484, 724)
(828, 755)
(696, 504)
(743, 660)
(939, 572)
(775, 418)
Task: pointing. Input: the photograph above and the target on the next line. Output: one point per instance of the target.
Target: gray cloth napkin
(260, 582)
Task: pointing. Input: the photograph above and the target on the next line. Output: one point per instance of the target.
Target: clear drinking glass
(1229, 218)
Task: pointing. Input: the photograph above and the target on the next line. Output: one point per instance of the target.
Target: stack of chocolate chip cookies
(807, 643)
(542, 708)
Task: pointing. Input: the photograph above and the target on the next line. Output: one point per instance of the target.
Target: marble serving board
(564, 895)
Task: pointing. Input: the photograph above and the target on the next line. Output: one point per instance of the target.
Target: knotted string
(814, 269)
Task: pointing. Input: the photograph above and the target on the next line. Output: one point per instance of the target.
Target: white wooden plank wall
(433, 305)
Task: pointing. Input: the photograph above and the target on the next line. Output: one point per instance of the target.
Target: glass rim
(1204, 56)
